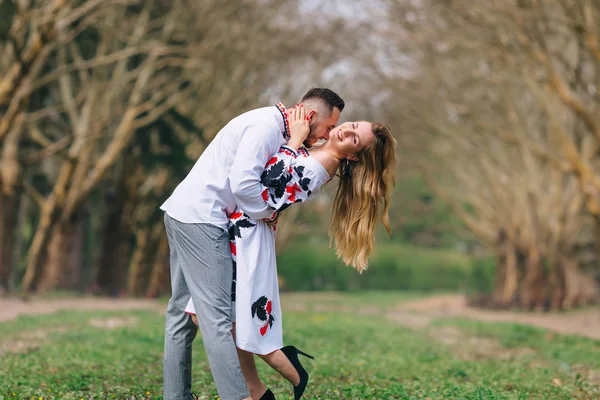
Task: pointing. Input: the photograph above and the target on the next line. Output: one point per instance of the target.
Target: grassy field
(108, 355)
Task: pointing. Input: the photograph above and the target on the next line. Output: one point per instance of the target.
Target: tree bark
(137, 267)
(8, 222)
(556, 289)
(73, 277)
(532, 291)
(507, 273)
(62, 267)
(110, 274)
(159, 278)
(46, 226)
(581, 288)
(499, 281)
(511, 279)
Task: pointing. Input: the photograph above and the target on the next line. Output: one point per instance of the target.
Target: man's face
(320, 127)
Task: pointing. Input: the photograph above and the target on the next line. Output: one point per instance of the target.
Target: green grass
(357, 357)
(566, 350)
(380, 299)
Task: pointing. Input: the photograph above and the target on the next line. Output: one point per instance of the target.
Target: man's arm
(258, 143)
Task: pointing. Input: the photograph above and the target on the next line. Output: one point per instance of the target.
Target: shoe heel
(268, 395)
(304, 354)
(291, 353)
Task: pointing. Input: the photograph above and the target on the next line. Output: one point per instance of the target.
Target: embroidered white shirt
(227, 174)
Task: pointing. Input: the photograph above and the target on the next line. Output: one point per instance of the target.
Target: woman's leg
(255, 384)
(280, 363)
(276, 360)
(253, 381)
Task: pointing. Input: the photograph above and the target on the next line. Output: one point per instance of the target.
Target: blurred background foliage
(105, 106)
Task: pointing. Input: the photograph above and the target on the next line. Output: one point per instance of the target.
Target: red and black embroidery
(237, 221)
(275, 179)
(262, 309)
(233, 284)
(285, 184)
(286, 123)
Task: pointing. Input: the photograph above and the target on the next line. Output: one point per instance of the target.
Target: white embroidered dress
(289, 177)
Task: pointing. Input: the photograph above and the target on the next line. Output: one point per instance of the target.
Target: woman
(363, 155)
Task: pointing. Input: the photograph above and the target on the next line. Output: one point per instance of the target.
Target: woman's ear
(352, 157)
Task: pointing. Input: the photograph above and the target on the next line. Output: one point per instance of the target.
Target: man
(227, 174)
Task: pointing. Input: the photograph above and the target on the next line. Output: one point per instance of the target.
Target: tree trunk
(580, 288)
(117, 242)
(137, 267)
(62, 267)
(48, 217)
(507, 274)
(159, 278)
(499, 281)
(73, 278)
(8, 221)
(532, 292)
(10, 175)
(57, 256)
(115, 257)
(511, 279)
(286, 228)
(556, 288)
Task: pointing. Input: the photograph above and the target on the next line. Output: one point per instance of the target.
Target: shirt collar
(286, 124)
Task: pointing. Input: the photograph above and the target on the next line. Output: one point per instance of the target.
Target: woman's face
(350, 138)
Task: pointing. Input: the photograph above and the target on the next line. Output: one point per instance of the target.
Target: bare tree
(468, 94)
(89, 88)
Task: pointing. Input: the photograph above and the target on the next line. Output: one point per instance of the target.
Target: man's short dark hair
(328, 96)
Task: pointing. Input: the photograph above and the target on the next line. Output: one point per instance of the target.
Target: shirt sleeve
(287, 180)
(258, 142)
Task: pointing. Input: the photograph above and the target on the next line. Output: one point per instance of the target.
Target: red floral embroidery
(233, 248)
(292, 190)
(236, 215)
(261, 309)
(271, 161)
(265, 195)
(263, 329)
(269, 307)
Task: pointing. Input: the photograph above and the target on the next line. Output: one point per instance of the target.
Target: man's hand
(299, 127)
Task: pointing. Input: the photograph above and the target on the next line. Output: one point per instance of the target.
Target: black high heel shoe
(292, 354)
(268, 395)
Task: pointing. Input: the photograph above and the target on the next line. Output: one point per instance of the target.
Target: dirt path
(11, 308)
(415, 313)
(580, 322)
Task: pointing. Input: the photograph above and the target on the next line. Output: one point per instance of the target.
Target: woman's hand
(299, 127)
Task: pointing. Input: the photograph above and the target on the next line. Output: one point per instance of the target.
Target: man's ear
(352, 157)
(311, 115)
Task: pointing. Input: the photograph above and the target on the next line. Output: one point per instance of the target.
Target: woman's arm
(287, 179)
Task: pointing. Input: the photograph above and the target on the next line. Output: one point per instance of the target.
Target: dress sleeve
(288, 179)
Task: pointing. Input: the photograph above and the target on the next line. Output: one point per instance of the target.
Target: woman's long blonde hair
(363, 197)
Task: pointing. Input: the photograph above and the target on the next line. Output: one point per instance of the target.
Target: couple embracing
(221, 222)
